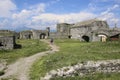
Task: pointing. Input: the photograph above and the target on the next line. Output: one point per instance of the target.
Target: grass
(29, 47)
(73, 51)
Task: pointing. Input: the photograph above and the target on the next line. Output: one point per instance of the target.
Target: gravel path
(20, 69)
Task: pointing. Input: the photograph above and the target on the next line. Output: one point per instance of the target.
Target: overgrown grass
(29, 47)
(73, 51)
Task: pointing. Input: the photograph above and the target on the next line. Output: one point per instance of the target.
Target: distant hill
(18, 29)
(22, 29)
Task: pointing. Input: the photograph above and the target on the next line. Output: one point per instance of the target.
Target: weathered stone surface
(3, 65)
(89, 30)
(7, 42)
(35, 34)
(81, 69)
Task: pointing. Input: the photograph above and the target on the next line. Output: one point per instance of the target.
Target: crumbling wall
(7, 42)
(26, 35)
(85, 68)
(91, 29)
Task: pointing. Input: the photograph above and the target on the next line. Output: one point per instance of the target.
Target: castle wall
(35, 34)
(91, 30)
(77, 33)
(26, 35)
(9, 33)
(58, 35)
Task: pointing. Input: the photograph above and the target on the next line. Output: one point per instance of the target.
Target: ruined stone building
(63, 31)
(89, 30)
(7, 40)
(92, 30)
(35, 34)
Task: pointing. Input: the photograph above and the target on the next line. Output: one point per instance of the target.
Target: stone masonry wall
(7, 42)
(89, 67)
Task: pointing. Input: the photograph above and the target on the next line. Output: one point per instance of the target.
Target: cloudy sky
(39, 14)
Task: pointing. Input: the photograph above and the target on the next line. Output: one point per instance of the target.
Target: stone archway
(42, 36)
(86, 38)
(30, 36)
(103, 37)
(69, 37)
(1, 44)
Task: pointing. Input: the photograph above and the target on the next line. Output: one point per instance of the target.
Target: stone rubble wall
(84, 68)
(7, 42)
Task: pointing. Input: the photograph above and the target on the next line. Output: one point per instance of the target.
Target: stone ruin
(63, 31)
(35, 34)
(7, 42)
(85, 68)
(89, 30)
(93, 30)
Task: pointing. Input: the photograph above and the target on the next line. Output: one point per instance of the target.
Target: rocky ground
(84, 68)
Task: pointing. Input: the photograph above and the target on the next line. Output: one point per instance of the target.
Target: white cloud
(50, 19)
(33, 10)
(72, 17)
(36, 17)
(52, 2)
(110, 9)
(6, 8)
(110, 16)
(23, 18)
(36, 9)
(5, 23)
(22, 15)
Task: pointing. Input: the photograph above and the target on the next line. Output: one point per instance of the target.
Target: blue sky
(39, 14)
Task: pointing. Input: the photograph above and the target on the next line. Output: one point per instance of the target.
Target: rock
(90, 67)
(53, 73)
(3, 66)
(47, 77)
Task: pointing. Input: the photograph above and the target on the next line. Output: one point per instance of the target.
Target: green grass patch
(29, 47)
(72, 52)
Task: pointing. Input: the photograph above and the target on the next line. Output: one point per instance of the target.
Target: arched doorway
(30, 36)
(42, 36)
(1, 44)
(103, 37)
(69, 37)
(85, 38)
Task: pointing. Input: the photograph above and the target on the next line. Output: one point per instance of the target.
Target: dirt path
(20, 69)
